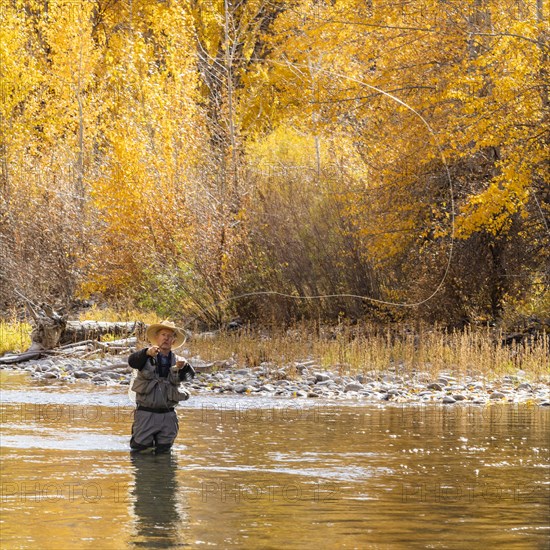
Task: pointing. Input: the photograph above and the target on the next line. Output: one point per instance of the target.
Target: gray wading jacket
(152, 390)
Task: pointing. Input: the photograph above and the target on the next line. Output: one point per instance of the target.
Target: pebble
(354, 386)
(497, 395)
(305, 380)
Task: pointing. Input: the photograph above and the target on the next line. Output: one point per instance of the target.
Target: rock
(92, 368)
(301, 368)
(328, 382)
(55, 370)
(353, 386)
(308, 380)
(497, 395)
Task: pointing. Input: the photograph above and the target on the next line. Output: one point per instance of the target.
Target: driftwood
(48, 326)
(76, 331)
(45, 335)
(53, 334)
(21, 357)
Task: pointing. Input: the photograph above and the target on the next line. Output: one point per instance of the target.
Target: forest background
(170, 155)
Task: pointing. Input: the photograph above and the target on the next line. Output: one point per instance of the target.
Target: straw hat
(153, 330)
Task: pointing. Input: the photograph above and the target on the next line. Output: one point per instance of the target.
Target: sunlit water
(270, 473)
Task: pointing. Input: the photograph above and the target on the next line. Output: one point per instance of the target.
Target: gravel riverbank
(306, 380)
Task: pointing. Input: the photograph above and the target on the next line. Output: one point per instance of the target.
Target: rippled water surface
(269, 473)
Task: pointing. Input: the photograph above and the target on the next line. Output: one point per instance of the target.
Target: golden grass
(114, 315)
(15, 336)
(346, 349)
(351, 350)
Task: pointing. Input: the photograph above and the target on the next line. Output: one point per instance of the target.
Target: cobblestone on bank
(307, 380)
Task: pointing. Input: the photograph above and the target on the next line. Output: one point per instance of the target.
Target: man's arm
(138, 359)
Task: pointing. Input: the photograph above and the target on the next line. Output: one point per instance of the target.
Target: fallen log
(76, 331)
(34, 352)
(52, 330)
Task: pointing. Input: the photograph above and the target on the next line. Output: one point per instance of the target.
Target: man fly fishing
(159, 373)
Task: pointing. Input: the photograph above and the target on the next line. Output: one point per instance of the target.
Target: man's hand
(184, 394)
(186, 371)
(152, 351)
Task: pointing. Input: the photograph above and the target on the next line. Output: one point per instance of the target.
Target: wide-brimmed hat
(152, 331)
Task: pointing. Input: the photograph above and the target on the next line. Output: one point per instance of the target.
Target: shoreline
(306, 380)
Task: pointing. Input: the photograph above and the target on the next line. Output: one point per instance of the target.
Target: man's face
(165, 339)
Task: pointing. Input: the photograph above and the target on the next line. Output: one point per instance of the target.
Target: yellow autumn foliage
(203, 148)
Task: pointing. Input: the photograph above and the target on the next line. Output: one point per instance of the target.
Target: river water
(269, 473)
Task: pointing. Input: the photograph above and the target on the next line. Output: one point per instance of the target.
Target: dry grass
(113, 315)
(352, 350)
(15, 336)
(347, 349)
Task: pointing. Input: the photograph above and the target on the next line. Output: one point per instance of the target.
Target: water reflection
(155, 493)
